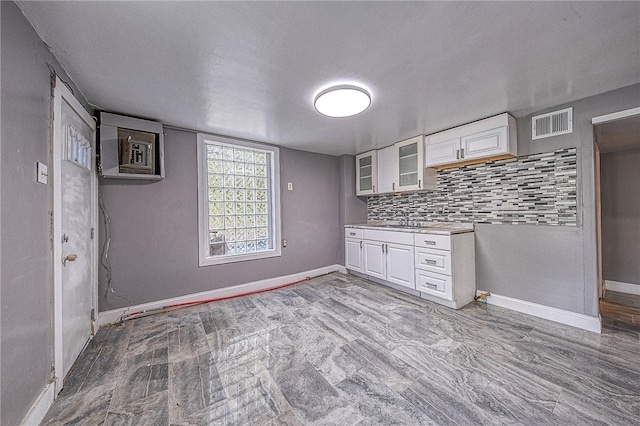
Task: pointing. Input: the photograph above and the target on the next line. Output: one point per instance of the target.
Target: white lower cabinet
(353, 254)
(400, 264)
(445, 268)
(353, 249)
(435, 284)
(375, 261)
(388, 256)
(440, 267)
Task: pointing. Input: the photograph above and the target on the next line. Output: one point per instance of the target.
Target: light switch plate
(42, 173)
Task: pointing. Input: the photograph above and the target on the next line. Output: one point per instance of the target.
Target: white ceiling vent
(552, 124)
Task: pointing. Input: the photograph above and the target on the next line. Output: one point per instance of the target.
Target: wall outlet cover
(42, 173)
(290, 186)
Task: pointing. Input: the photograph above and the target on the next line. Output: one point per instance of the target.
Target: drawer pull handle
(430, 243)
(432, 285)
(430, 261)
(352, 233)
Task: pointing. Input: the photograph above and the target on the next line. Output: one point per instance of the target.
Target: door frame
(606, 118)
(60, 92)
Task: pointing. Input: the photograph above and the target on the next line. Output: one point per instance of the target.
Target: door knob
(70, 258)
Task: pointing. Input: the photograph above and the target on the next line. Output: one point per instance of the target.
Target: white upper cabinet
(396, 168)
(485, 144)
(410, 164)
(386, 169)
(481, 140)
(444, 152)
(366, 173)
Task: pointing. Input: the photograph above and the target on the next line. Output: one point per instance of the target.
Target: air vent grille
(552, 124)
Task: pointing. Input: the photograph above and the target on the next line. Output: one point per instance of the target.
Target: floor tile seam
(530, 400)
(497, 378)
(555, 405)
(372, 365)
(615, 388)
(410, 389)
(118, 373)
(610, 388)
(622, 411)
(109, 408)
(284, 396)
(84, 381)
(288, 406)
(201, 382)
(628, 366)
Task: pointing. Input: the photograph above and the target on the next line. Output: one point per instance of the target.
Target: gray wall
(556, 266)
(620, 185)
(26, 285)
(154, 246)
(353, 210)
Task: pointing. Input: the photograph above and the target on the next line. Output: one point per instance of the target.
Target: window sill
(222, 260)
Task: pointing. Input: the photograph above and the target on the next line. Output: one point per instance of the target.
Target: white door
(375, 260)
(353, 254)
(400, 268)
(74, 214)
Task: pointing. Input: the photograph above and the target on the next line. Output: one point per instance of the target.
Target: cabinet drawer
(440, 242)
(353, 233)
(434, 260)
(435, 284)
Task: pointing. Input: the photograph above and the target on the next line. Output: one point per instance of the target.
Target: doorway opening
(617, 138)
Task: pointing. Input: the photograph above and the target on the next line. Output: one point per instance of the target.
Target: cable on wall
(104, 255)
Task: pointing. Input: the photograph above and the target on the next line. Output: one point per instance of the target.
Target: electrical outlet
(290, 186)
(284, 243)
(42, 173)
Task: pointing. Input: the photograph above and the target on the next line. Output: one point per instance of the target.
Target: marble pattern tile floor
(339, 350)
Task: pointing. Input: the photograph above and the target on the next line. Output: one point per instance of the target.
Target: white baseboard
(541, 311)
(113, 315)
(39, 408)
(622, 287)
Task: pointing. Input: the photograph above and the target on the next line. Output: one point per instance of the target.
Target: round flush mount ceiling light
(342, 101)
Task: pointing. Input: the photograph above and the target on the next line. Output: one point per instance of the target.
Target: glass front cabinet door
(410, 164)
(366, 173)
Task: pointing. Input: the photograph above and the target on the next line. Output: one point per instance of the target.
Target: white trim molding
(573, 319)
(616, 116)
(622, 287)
(114, 315)
(39, 408)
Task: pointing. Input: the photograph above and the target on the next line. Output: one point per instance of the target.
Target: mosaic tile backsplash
(537, 189)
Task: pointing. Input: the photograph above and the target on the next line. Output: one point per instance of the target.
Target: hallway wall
(620, 185)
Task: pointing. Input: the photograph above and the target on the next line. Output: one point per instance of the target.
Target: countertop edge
(414, 230)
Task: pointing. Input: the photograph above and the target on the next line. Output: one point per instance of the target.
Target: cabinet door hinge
(93, 233)
(93, 314)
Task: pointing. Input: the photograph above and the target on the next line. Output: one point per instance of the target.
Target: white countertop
(439, 228)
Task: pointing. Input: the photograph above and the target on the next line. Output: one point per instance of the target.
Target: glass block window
(238, 201)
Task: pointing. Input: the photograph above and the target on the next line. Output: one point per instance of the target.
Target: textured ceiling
(251, 70)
